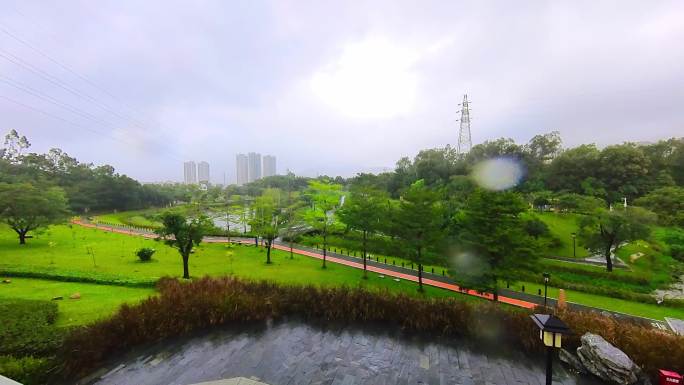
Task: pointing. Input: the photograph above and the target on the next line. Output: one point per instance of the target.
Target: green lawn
(562, 226)
(612, 304)
(138, 218)
(96, 301)
(63, 251)
(114, 259)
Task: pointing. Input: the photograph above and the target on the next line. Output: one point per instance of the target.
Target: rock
(572, 361)
(7, 280)
(75, 296)
(608, 362)
(58, 298)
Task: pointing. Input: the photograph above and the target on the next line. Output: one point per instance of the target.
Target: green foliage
(536, 227)
(667, 202)
(26, 208)
(145, 254)
(495, 243)
(606, 230)
(418, 225)
(28, 328)
(183, 234)
(26, 370)
(577, 203)
(268, 219)
(324, 198)
(365, 211)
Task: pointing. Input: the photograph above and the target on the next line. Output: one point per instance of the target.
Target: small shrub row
(26, 370)
(184, 307)
(100, 279)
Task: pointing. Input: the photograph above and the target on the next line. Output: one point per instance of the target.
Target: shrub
(677, 252)
(184, 307)
(27, 370)
(145, 254)
(28, 328)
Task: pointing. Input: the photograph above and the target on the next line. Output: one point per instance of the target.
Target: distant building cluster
(249, 167)
(194, 173)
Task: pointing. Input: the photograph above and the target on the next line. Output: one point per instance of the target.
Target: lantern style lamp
(551, 331)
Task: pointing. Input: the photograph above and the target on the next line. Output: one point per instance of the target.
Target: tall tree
(183, 234)
(26, 208)
(325, 199)
(605, 230)
(494, 239)
(268, 220)
(364, 211)
(418, 225)
(667, 202)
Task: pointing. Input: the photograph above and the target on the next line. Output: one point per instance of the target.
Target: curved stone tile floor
(297, 353)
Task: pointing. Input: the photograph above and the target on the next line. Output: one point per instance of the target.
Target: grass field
(562, 226)
(96, 301)
(114, 258)
(612, 304)
(74, 251)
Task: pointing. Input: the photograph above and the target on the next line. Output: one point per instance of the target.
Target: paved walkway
(295, 353)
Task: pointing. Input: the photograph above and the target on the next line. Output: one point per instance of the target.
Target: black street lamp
(574, 248)
(547, 277)
(551, 329)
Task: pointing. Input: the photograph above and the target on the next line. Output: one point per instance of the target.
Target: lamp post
(574, 249)
(547, 277)
(551, 330)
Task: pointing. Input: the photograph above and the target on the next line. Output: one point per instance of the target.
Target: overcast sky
(331, 87)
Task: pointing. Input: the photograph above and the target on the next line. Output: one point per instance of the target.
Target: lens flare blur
(498, 173)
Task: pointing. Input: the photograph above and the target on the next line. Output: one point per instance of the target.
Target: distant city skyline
(203, 172)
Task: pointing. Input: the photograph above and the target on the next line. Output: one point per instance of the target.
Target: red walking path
(357, 265)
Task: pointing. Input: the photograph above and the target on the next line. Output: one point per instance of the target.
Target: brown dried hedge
(184, 307)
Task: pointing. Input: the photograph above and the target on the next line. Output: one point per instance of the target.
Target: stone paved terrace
(296, 353)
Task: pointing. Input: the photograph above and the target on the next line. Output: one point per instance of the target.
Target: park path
(333, 259)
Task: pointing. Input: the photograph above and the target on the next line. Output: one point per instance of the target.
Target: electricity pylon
(464, 141)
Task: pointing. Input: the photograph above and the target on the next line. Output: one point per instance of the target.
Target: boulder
(572, 361)
(75, 296)
(7, 280)
(607, 362)
(58, 298)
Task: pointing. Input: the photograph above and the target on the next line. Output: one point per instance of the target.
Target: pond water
(298, 353)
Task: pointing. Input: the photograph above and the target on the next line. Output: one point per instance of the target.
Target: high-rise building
(269, 165)
(242, 169)
(254, 169)
(190, 172)
(203, 172)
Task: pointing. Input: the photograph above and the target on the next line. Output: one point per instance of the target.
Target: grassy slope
(96, 300)
(562, 226)
(114, 257)
(613, 304)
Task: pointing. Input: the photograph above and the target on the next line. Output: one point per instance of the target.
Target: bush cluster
(28, 328)
(28, 339)
(183, 307)
(26, 370)
(145, 254)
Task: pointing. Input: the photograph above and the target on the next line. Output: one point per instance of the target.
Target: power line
(53, 80)
(58, 118)
(63, 66)
(32, 91)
